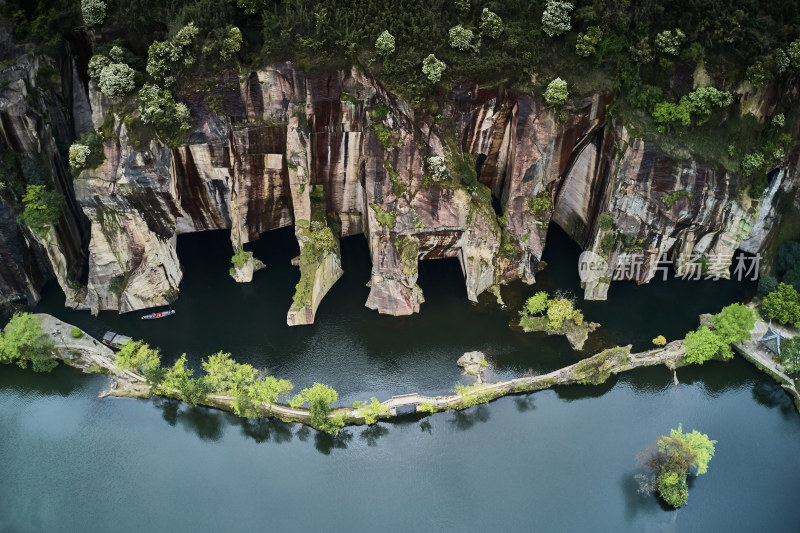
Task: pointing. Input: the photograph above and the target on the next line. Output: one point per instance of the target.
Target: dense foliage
(23, 341)
(671, 460)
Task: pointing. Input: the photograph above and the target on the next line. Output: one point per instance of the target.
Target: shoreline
(93, 357)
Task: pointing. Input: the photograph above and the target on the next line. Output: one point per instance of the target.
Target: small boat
(115, 341)
(160, 314)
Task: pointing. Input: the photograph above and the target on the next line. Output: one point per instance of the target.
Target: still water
(559, 460)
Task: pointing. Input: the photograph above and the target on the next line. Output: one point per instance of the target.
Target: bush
(539, 205)
(556, 17)
(606, 222)
(384, 45)
(240, 258)
(587, 42)
(536, 304)
(660, 340)
(556, 93)
(437, 168)
(171, 119)
(42, 208)
(93, 12)
(432, 68)
(78, 154)
(231, 44)
(166, 59)
(607, 243)
(491, 25)
(460, 38)
(77, 333)
(87, 152)
(753, 162)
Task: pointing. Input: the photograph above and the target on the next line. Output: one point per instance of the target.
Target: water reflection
(266, 429)
(466, 419)
(373, 433)
(325, 443)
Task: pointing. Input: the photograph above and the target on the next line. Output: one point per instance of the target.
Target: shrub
(96, 65)
(670, 42)
(793, 53)
(556, 17)
(556, 93)
(660, 340)
(93, 12)
(759, 73)
(432, 68)
(491, 25)
(605, 221)
(87, 152)
(319, 398)
(139, 357)
(753, 162)
(384, 45)
(536, 304)
(539, 205)
(42, 208)
(78, 154)
(460, 38)
(787, 257)
(587, 42)
(165, 59)
(77, 333)
(733, 324)
(559, 310)
(240, 258)
(607, 243)
(231, 44)
(171, 119)
(790, 354)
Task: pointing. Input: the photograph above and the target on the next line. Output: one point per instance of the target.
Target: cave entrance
(442, 280)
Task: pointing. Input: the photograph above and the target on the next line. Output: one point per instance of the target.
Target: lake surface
(559, 460)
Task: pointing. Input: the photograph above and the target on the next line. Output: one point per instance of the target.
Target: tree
(704, 344)
(536, 304)
(555, 18)
(384, 45)
(787, 257)
(793, 52)
(790, 354)
(42, 208)
(269, 389)
(24, 341)
(558, 310)
(194, 391)
(170, 119)
(672, 459)
(433, 68)
(116, 79)
(783, 304)
(753, 162)
(733, 323)
(460, 38)
(670, 42)
(231, 44)
(767, 284)
(587, 42)
(78, 155)
(137, 356)
(437, 167)
(556, 93)
(319, 398)
(93, 12)
(223, 374)
(491, 25)
(371, 411)
(166, 59)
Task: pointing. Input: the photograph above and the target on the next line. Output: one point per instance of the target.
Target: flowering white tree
(78, 154)
(555, 19)
(384, 45)
(433, 68)
(460, 38)
(670, 42)
(93, 12)
(556, 93)
(116, 79)
(437, 167)
(491, 25)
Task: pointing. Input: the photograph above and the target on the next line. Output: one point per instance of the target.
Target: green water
(559, 460)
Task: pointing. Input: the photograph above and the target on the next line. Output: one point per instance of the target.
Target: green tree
(767, 284)
(194, 391)
(223, 374)
(704, 344)
(384, 44)
(269, 389)
(42, 208)
(176, 376)
(433, 68)
(491, 25)
(733, 323)
(790, 354)
(231, 44)
(783, 304)
(93, 11)
(24, 341)
(460, 38)
(319, 398)
(137, 356)
(788, 256)
(702, 448)
(559, 310)
(536, 304)
(371, 411)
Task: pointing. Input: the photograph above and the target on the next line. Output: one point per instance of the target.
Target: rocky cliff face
(336, 153)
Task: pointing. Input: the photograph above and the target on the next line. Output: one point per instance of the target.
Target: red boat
(160, 314)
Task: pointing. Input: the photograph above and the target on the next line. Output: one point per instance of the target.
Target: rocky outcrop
(336, 154)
